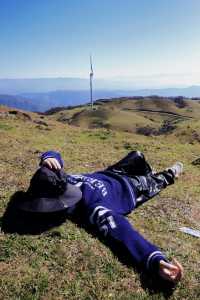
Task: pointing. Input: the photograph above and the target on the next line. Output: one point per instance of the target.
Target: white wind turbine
(91, 81)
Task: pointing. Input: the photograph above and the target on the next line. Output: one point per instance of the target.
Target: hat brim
(69, 198)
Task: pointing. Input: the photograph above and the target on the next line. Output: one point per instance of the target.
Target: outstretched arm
(144, 254)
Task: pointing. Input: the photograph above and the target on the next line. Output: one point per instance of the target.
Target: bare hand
(172, 271)
(51, 163)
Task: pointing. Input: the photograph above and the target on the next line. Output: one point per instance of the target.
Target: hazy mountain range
(43, 93)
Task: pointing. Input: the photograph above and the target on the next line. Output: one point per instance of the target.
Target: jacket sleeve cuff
(52, 154)
(153, 261)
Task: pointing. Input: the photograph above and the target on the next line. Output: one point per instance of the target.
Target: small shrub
(5, 127)
(128, 146)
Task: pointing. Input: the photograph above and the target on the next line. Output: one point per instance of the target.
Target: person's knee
(136, 153)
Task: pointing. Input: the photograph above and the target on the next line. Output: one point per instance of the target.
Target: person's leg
(150, 185)
(132, 164)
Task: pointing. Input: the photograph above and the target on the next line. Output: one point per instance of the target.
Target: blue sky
(152, 42)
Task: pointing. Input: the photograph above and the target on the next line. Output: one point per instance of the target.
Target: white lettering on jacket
(93, 183)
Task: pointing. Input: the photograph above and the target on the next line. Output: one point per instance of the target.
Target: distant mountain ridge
(46, 85)
(45, 93)
(41, 85)
(18, 102)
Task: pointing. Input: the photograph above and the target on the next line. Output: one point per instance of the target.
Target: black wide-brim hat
(49, 191)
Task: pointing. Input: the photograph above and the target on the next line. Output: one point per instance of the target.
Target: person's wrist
(155, 265)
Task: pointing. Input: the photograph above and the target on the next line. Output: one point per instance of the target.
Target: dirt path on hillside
(159, 111)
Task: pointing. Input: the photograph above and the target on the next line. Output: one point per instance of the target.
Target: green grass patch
(67, 262)
(5, 126)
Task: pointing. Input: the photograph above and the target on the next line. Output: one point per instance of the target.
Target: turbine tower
(91, 79)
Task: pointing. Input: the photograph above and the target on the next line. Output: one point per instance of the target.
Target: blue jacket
(107, 197)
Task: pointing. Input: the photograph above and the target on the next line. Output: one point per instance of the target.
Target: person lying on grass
(106, 198)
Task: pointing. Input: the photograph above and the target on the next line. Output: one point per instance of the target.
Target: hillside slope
(69, 262)
(153, 115)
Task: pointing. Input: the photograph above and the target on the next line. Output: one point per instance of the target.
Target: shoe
(176, 169)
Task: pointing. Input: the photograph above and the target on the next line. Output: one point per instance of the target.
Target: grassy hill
(148, 116)
(69, 262)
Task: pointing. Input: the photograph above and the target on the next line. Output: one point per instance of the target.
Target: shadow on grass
(152, 284)
(26, 223)
(17, 221)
